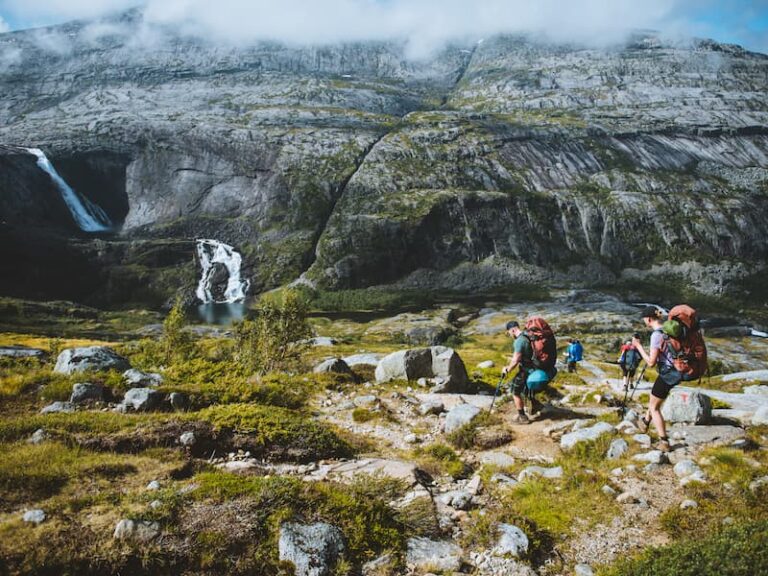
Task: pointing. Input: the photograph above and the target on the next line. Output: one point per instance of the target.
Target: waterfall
(212, 252)
(88, 216)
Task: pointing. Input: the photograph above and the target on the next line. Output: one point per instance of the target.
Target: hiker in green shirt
(522, 358)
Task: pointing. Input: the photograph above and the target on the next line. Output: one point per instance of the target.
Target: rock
(22, 352)
(608, 490)
(626, 498)
(426, 554)
(438, 362)
(475, 485)
(363, 401)
(58, 407)
(685, 468)
(38, 437)
(653, 457)
(154, 485)
(499, 459)
(460, 416)
(36, 516)
(617, 449)
(138, 379)
(505, 479)
(156, 504)
(626, 427)
(142, 399)
(332, 365)
(322, 341)
(382, 565)
(631, 416)
(458, 499)
(486, 364)
(363, 360)
(313, 549)
(583, 570)
(539, 471)
(512, 541)
(751, 375)
(570, 440)
(179, 401)
(642, 439)
(87, 358)
(687, 407)
(411, 439)
(696, 477)
(760, 389)
(238, 466)
(761, 416)
(706, 435)
(756, 485)
(137, 530)
(431, 408)
(84, 392)
(187, 439)
(688, 504)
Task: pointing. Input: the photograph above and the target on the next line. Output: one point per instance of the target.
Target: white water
(88, 216)
(211, 252)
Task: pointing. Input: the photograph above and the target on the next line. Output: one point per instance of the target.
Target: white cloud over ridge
(4, 27)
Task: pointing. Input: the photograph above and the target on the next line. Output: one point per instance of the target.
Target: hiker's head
(513, 328)
(651, 316)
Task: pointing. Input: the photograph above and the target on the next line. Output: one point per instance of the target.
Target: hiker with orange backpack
(535, 354)
(677, 349)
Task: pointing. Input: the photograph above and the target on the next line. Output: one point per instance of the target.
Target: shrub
(176, 343)
(273, 340)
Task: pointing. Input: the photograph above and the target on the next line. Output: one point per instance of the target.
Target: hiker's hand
(635, 342)
(504, 371)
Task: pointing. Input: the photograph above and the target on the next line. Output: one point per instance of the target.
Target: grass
(439, 459)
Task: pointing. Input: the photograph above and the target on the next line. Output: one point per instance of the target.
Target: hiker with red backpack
(678, 350)
(534, 354)
(629, 359)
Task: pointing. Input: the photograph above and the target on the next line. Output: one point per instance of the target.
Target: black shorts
(628, 372)
(661, 389)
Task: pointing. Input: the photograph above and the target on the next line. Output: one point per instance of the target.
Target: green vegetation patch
(439, 459)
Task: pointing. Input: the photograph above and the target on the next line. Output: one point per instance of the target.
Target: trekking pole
(637, 382)
(496, 392)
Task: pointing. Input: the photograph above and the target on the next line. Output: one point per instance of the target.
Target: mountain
(488, 164)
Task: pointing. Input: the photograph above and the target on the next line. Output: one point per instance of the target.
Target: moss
(437, 459)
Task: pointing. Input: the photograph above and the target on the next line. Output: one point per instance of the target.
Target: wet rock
(58, 407)
(617, 449)
(138, 379)
(136, 530)
(687, 407)
(87, 358)
(313, 549)
(84, 392)
(332, 365)
(460, 416)
(142, 399)
(36, 516)
(570, 440)
(554, 473)
(426, 554)
(512, 541)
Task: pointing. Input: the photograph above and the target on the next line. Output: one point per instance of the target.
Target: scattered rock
(685, 468)
(138, 379)
(38, 437)
(36, 516)
(618, 448)
(435, 408)
(22, 352)
(512, 540)
(438, 362)
(187, 439)
(761, 416)
(322, 341)
(371, 360)
(364, 401)
(86, 358)
(179, 401)
(570, 440)
(499, 459)
(755, 485)
(608, 490)
(652, 457)
(312, 548)
(687, 407)
(486, 364)
(458, 499)
(475, 485)
(154, 485)
(460, 416)
(332, 365)
(58, 407)
(626, 498)
(142, 399)
(137, 530)
(626, 427)
(382, 565)
(426, 554)
(583, 570)
(83, 392)
(534, 471)
(688, 504)
(642, 439)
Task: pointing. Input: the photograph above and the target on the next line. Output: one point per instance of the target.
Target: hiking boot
(664, 446)
(642, 424)
(536, 406)
(521, 419)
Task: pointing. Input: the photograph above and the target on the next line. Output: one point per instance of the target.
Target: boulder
(761, 416)
(178, 401)
(570, 440)
(539, 471)
(137, 530)
(652, 457)
(458, 499)
(74, 360)
(706, 435)
(460, 416)
(617, 449)
(57, 407)
(438, 362)
(22, 352)
(363, 360)
(36, 516)
(332, 365)
(760, 390)
(138, 379)
(313, 549)
(499, 459)
(38, 437)
(429, 555)
(686, 468)
(83, 392)
(142, 399)
(434, 407)
(692, 407)
(512, 541)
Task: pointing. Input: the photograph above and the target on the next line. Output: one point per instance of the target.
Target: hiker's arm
(649, 360)
(512, 363)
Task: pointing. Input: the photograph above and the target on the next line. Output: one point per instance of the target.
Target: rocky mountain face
(487, 164)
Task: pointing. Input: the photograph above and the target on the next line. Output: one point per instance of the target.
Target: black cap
(512, 324)
(649, 312)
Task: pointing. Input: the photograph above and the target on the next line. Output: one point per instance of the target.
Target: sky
(423, 23)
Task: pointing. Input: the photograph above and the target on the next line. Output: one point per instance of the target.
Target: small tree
(176, 344)
(274, 339)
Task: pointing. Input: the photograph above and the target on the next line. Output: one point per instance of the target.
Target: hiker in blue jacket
(574, 354)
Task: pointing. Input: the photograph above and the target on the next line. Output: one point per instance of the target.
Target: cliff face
(486, 164)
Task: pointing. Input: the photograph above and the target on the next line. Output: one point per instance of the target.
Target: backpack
(682, 335)
(631, 359)
(543, 342)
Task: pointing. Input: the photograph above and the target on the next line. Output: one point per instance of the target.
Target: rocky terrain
(488, 164)
(379, 454)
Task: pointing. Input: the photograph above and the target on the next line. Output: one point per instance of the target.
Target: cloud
(4, 27)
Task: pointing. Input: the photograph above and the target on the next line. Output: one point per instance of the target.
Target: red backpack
(543, 343)
(686, 342)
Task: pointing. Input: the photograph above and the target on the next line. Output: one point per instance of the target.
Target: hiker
(574, 354)
(660, 354)
(629, 359)
(534, 354)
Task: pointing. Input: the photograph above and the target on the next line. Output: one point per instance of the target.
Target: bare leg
(654, 412)
(519, 404)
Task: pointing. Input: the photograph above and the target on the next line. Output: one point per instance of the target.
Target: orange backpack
(543, 343)
(687, 346)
